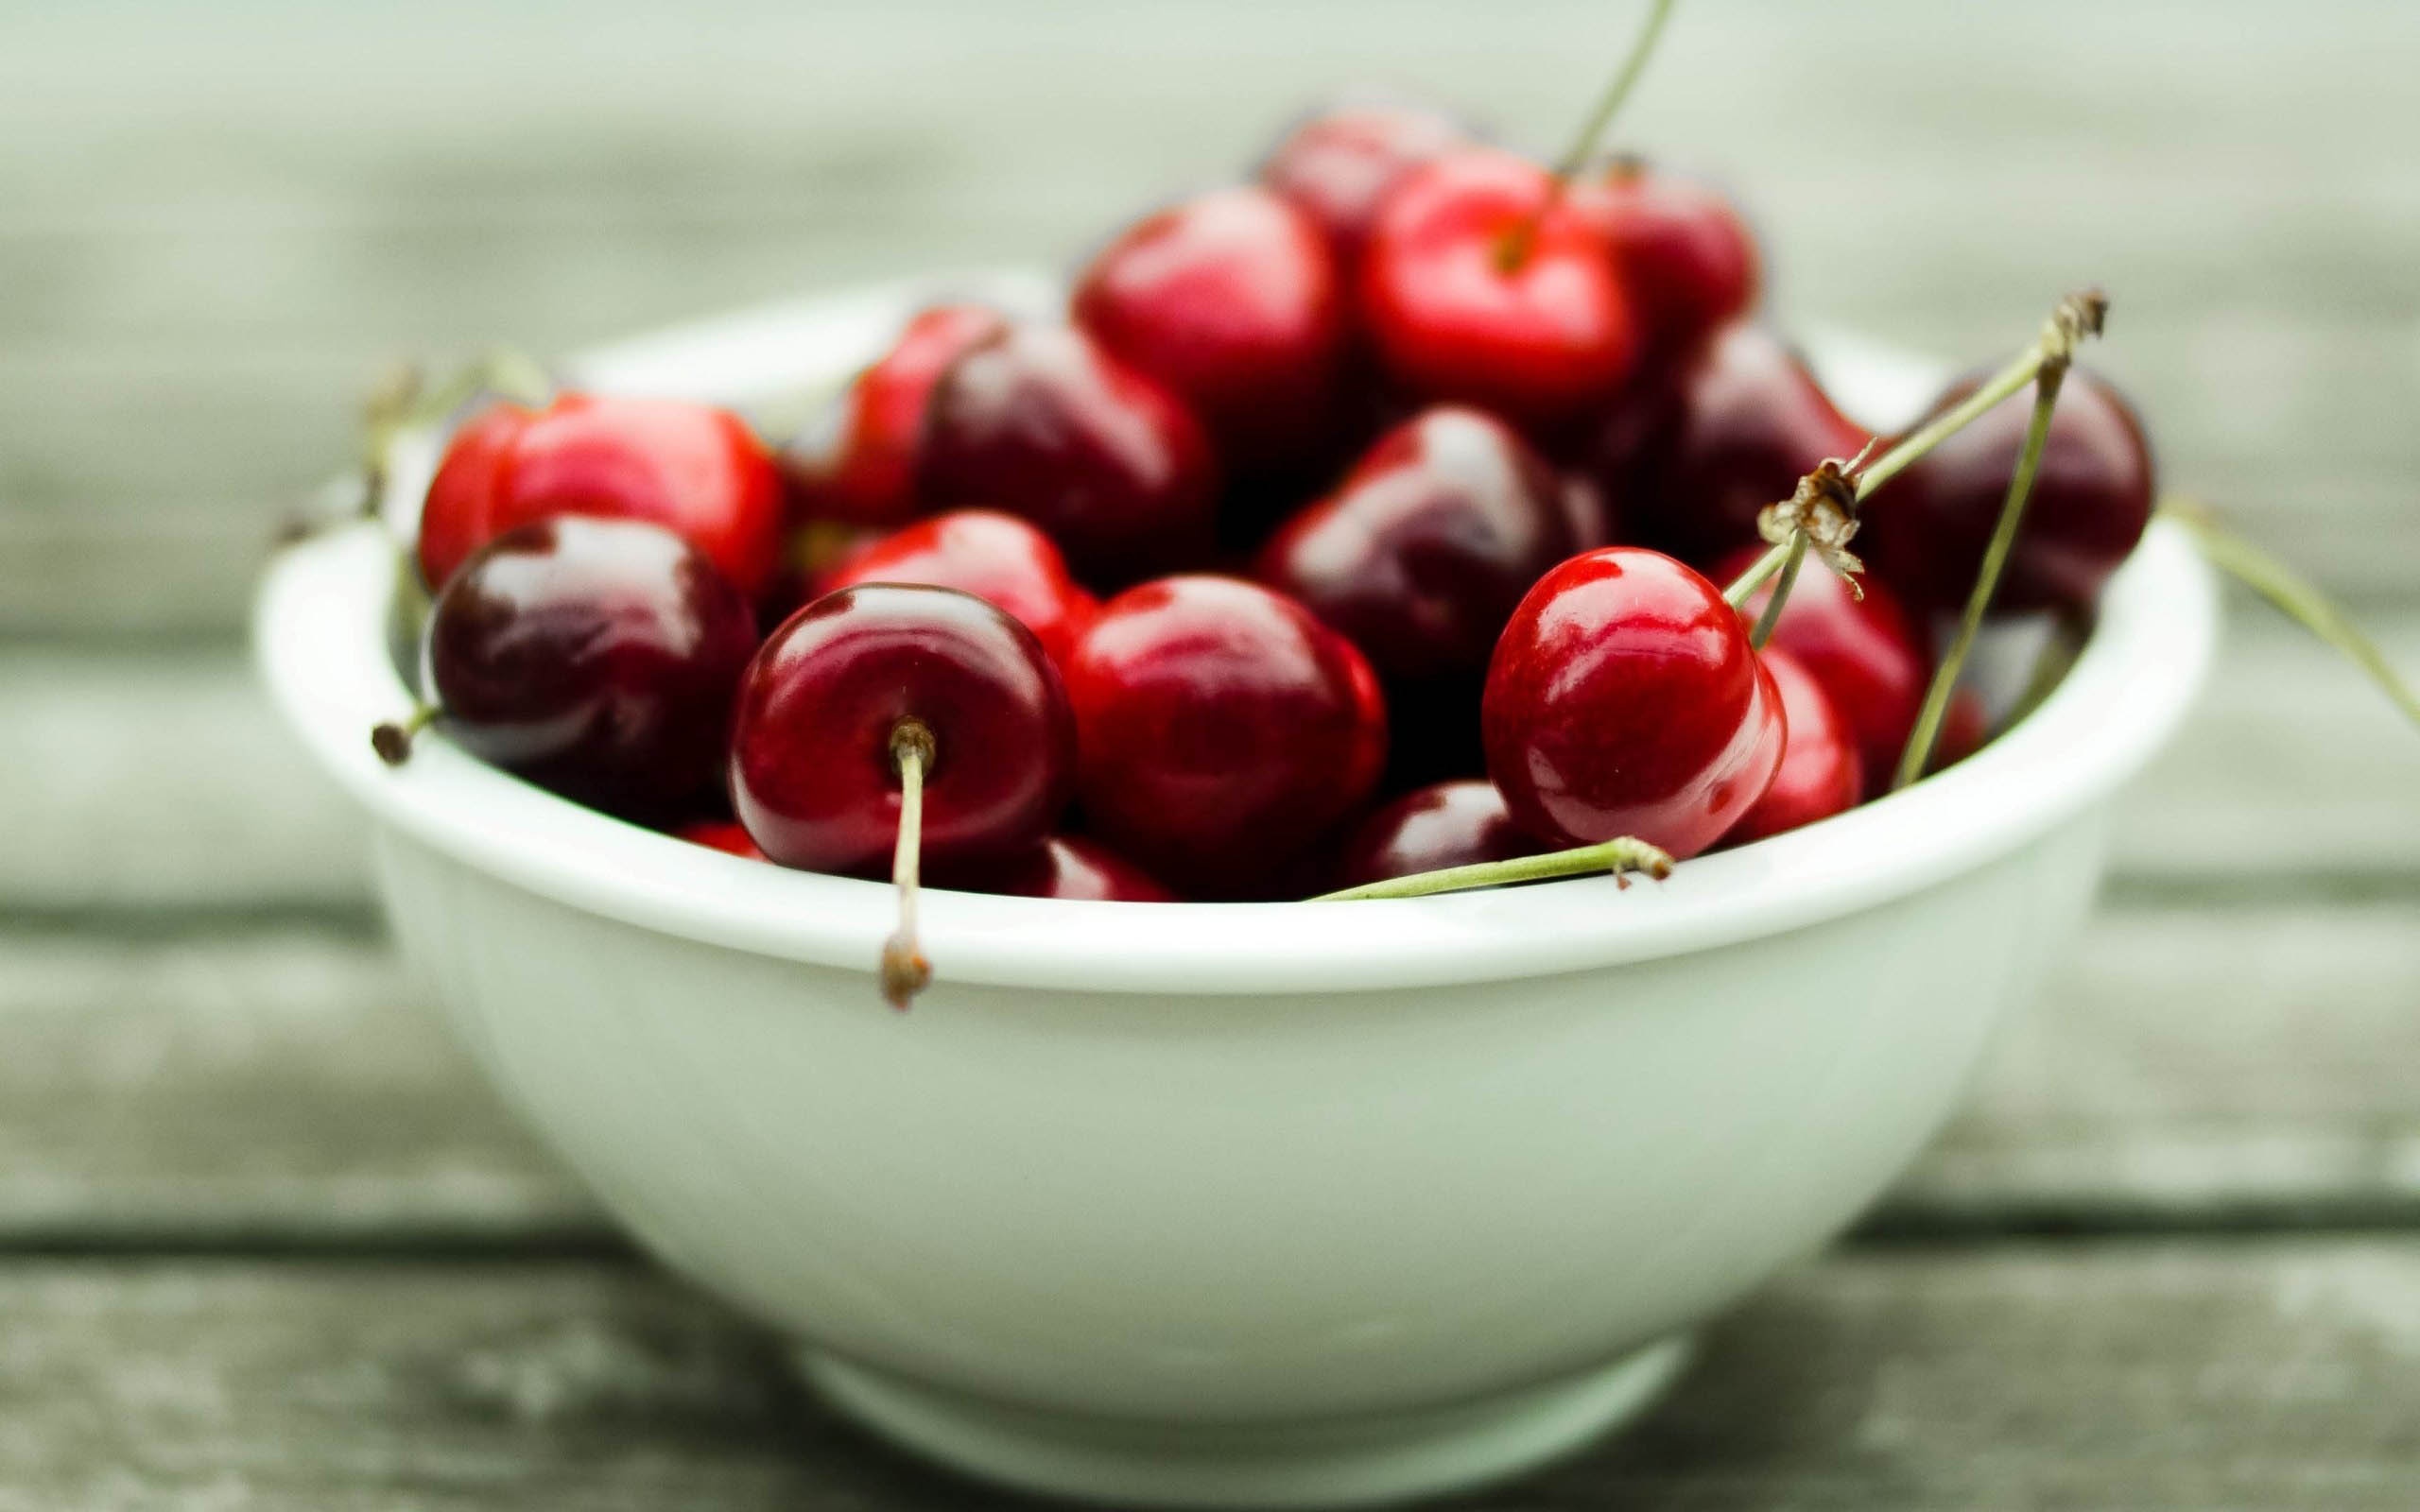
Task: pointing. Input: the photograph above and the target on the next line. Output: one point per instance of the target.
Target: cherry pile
(1370, 517)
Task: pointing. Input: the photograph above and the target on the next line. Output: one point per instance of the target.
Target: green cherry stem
(392, 740)
(2293, 594)
(1794, 557)
(905, 971)
(1515, 250)
(1622, 856)
(1979, 599)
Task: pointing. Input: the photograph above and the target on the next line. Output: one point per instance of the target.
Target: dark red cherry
(1624, 700)
(1232, 300)
(1594, 518)
(1041, 422)
(1866, 652)
(857, 462)
(1821, 773)
(695, 470)
(1926, 529)
(1680, 247)
(997, 557)
(1481, 285)
(1223, 732)
(1340, 164)
(1422, 550)
(1428, 829)
(1064, 865)
(596, 658)
(1693, 458)
(727, 835)
(813, 772)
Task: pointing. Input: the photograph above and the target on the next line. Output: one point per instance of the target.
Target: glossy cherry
(997, 557)
(690, 468)
(1232, 300)
(1684, 253)
(1821, 772)
(814, 772)
(596, 658)
(1063, 866)
(1428, 829)
(727, 835)
(1925, 530)
(1337, 164)
(857, 462)
(1481, 285)
(1867, 653)
(1694, 456)
(1624, 700)
(1041, 422)
(1223, 732)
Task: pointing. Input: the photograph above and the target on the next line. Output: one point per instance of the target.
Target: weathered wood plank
(2274, 1375)
(149, 781)
(195, 271)
(290, 1087)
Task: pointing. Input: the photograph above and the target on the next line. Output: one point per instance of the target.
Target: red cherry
(1223, 730)
(1820, 774)
(1039, 420)
(596, 658)
(1926, 529)
(1428, 829)
(1624, 700)
(1339, 164)
(858, 461)
(1230, 299)
(1418, 559)
(1480, 284)
(695, 470)
(1866, 652)
(1065, 866)
(1682, 250)
(812, 771)
(997, 557)
(727, 835)
(1695, 457)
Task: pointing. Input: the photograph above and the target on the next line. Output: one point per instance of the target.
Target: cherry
(1867, 653)
(1694, 457)
(1418, 558)
(1482, 284)
(596, 658)
(1223, 730)
(1428, 829)
(997, 557)
(1821, 773)
(834, 694)
(693, 469)
(857, 462)
(1682, 250)
(727, 835)
(1039, 420)
(1065, 866)
(1339, 163)
(1232, 300)
(1624, 700)
(1926, 529)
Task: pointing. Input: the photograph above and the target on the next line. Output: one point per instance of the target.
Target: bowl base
(1347, 1462)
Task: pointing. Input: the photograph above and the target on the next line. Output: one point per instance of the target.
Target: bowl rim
(319, 632)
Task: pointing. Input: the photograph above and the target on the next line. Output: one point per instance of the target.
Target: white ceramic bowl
(1230, 1203)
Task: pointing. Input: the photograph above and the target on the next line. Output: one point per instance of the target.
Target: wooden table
(265, 1241)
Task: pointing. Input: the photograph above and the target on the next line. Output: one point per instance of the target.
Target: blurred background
(218, 222)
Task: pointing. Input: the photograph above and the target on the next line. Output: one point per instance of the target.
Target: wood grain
(2275, 1374)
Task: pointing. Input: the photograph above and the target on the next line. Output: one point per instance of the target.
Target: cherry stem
(2293, 594)
(1794, 555)
(1515, 250)
(1621, 856)
(402, 400)
(905, 971)
(392, 740)
(1979, 599)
